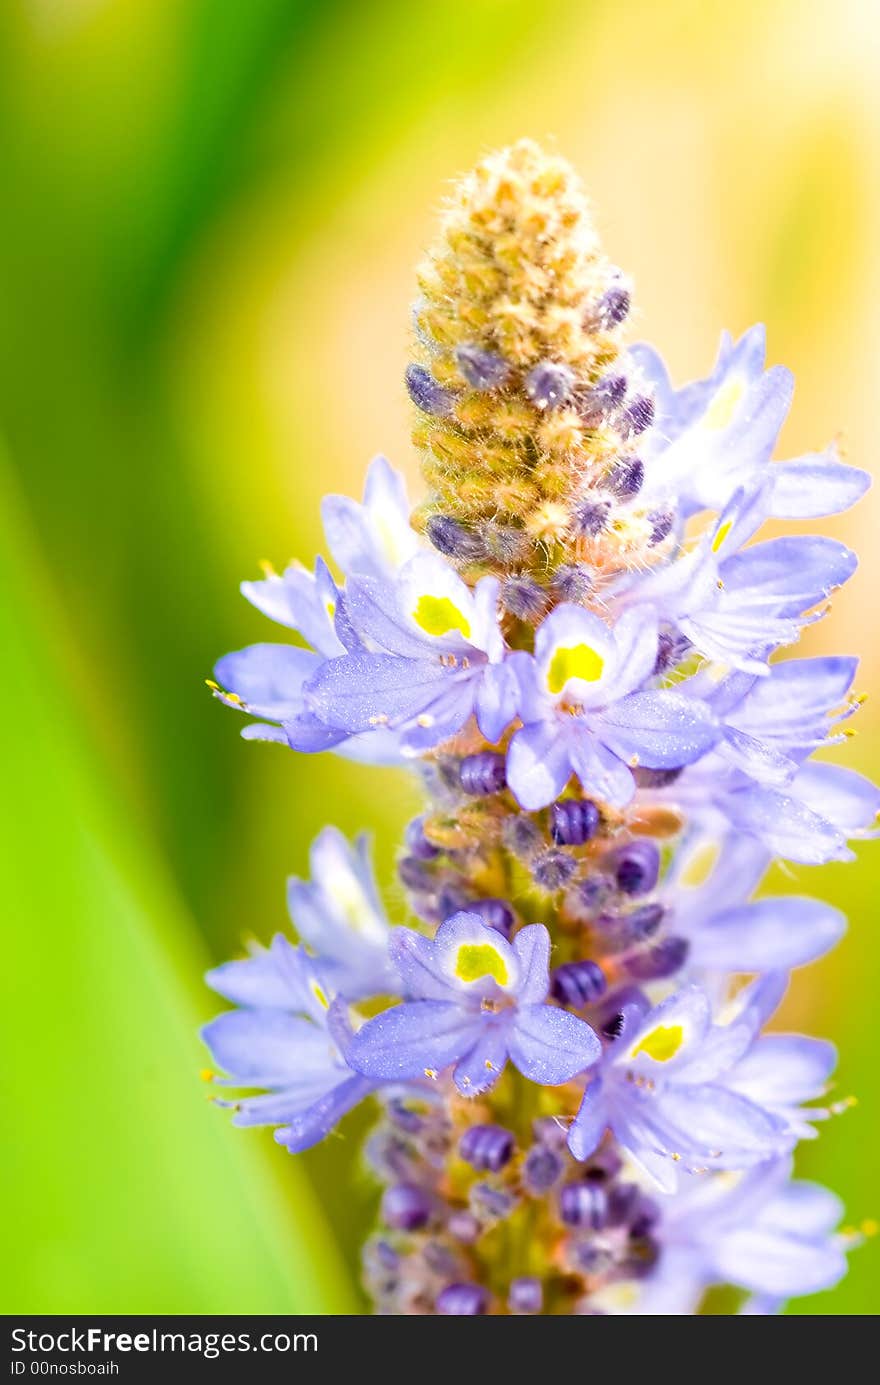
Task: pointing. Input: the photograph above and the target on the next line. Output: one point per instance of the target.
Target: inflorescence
(570, 641)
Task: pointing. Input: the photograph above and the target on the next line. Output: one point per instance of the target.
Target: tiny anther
(847, 1104)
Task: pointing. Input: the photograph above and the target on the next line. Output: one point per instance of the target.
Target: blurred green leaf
(129, 1192)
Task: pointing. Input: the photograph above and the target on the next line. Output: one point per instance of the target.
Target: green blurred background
(210, 211)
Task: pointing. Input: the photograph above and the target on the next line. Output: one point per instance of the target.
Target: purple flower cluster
(612, 757)
(405, 655)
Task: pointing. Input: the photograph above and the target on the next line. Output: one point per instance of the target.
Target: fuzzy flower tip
(573, 641)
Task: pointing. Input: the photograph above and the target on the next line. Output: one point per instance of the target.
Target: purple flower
(717, 435)
(736, 605)
(431, 654)
(729, 932)
(301, 600)
(771, 724)
(808, 821)
(291, 1039)
(267, 680)
(373, 539)
(759, 1230)
(474, 1000)
(582, 714)
(663, 1090)
(339, 915)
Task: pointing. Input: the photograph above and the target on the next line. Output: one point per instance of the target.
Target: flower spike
(574, 642)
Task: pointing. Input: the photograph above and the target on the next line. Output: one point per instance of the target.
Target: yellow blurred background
(210, 213)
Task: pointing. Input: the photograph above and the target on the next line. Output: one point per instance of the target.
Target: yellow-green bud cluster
(523, 421)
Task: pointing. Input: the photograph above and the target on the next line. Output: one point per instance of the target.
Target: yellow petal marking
(437, 615)
(701, 864)
(576, 661)
(475, 960)
(723, 407)
(661, 1043)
